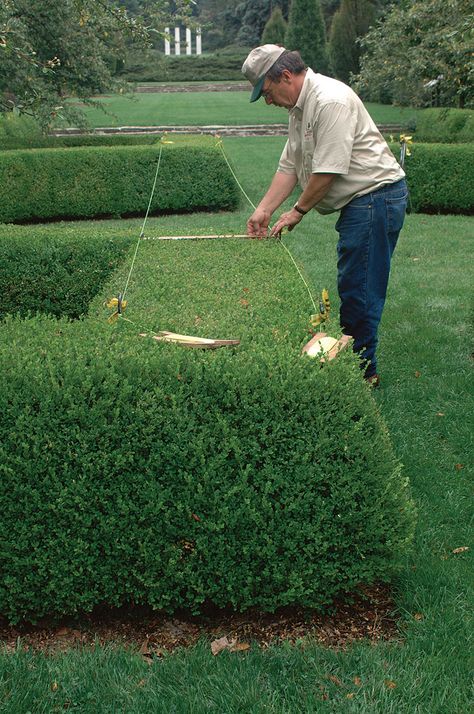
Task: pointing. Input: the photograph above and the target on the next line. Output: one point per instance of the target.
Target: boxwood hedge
(56, 272)
(133, 472)
(41, 184)
(440, 177)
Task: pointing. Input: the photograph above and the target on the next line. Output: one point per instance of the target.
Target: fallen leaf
(335, 680)
(240, 647)
(221, 644)
(62, 632)
(196, 518)
(458, 467)
(54, 686)
(389, 684)
(244, 302)
(463, 549)
(418, 616)
(440, 414)
(357, 681)
(417, 374)
(350, 695)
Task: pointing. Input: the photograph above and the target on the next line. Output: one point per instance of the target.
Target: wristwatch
(300, 210)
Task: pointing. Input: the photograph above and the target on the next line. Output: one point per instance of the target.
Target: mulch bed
(369, 615)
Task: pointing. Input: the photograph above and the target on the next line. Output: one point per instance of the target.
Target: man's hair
(290, 60)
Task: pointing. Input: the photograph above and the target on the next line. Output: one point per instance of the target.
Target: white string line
(221, 146)
(144, 222)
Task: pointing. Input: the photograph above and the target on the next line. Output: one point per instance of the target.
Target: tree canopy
(50, 50)
(421, 54)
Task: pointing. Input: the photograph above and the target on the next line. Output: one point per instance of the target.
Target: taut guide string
(120, 302)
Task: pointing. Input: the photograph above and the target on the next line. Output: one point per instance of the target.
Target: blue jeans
(368, 230)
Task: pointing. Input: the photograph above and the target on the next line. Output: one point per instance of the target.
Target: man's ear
(286, 76)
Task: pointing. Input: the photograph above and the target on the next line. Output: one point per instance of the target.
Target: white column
(167, 41)
(198, 41)
(188, 41)
(177, 46)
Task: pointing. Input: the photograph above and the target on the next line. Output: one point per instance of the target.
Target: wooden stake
(191, 341)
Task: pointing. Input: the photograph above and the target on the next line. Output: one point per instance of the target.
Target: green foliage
(85, 182)
(56, 275)
(307, 34)
(419, 42)
(440, 178)
(449, 126)
(51, 49)
(137, 473)
(349, 24)
(275, 28)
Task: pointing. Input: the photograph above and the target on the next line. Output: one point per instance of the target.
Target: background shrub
(154, 66)
(136, 472)
(450, 126)
(42, 272)
(440, 177)
(86, 182)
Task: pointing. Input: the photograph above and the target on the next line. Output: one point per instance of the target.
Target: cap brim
(257, 90)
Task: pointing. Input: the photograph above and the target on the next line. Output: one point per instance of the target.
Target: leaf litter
(369, 614)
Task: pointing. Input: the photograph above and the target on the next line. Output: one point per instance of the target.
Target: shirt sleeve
(286, 164)
(334, 134)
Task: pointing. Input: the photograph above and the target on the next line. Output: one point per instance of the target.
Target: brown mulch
(369, 615)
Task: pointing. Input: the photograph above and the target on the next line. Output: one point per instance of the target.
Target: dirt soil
(369, 615)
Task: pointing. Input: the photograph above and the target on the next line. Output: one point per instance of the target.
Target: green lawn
(426, 399)
(203, 108)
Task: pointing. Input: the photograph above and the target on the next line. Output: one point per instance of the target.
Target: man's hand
(289, 220)
(257, 224)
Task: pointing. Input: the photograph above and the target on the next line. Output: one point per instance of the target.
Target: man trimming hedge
(342, 162)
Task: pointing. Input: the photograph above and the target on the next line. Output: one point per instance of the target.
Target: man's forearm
(316, 188)
(280, 188)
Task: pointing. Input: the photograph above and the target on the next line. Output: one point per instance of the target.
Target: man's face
(280, 92)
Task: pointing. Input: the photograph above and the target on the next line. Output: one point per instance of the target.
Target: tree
(51, 50)
(306, 33)
(420, 49)
(275, 29)
(349, 24)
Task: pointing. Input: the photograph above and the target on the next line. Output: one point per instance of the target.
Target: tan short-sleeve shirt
(330, 131)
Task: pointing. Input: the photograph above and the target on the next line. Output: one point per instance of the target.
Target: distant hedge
(157, 67)
(450, 126)
(440, 177)
(41, 184)
(132, 472)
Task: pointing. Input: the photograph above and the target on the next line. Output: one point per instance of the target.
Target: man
(342, 163)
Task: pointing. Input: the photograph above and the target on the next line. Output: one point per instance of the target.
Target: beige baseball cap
(257, 64)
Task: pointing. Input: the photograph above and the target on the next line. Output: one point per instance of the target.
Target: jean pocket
(396, 209)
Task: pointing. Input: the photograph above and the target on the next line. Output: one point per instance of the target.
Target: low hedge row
(41, 271)
(132, 472)
(41, 184)
(445, 125)
(58, 142)
(156, 67)
(440, 177)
